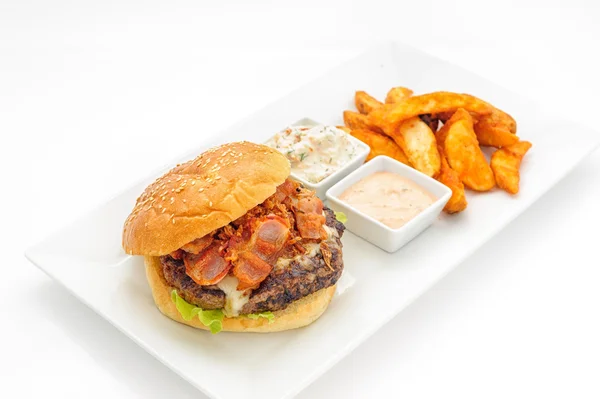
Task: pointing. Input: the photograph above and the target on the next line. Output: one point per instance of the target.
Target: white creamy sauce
(314, 152)
(234, 299)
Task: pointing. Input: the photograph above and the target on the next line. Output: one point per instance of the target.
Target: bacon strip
(177, 254)
(286, 189)
(207, 268)
(252, 258)
(271, 236)
(309, 218)
(250, 270)
(198, 245)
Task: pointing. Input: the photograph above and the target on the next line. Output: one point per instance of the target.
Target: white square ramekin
(373, 230)
(321, 187)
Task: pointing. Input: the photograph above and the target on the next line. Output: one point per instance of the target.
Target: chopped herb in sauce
(316, 152)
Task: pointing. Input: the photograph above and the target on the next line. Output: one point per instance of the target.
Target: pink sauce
(388, 197)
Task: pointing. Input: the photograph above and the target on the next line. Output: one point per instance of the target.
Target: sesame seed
(210, 203)
(173, 221)
(184, 201)
(172, 200)
(164, 209)
(193, 182)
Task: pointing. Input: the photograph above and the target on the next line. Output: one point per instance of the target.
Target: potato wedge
(344, 128)
(494, 137)
(390, 116)
(506, 163)
(365, 104)
(501, 119)
(444, 116)
(460, 145)
(448, 177)
(380, 145)
(418, 143)
(496, 129)
(354, 120)
(397, 94)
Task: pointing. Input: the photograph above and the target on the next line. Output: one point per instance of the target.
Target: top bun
(202, 195)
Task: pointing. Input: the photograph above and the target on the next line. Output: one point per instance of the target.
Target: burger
(231, 243)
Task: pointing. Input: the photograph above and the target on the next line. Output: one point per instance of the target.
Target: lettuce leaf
(341, 217)
(213, 319)
(267, 315)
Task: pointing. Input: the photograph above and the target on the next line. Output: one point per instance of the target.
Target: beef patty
(283, 286)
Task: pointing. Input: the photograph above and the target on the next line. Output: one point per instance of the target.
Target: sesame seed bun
(297, 314)
(202, 195)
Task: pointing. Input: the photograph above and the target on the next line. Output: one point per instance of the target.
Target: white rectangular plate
(88, 260)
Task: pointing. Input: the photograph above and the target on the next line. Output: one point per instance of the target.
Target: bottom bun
(297, 314)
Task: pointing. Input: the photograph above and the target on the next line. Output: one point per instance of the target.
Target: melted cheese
(312, 250)
(234, 299)
(330, 232)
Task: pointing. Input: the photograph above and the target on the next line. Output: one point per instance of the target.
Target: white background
(95, 94)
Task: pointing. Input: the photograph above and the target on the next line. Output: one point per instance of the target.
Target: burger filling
(284, 249)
